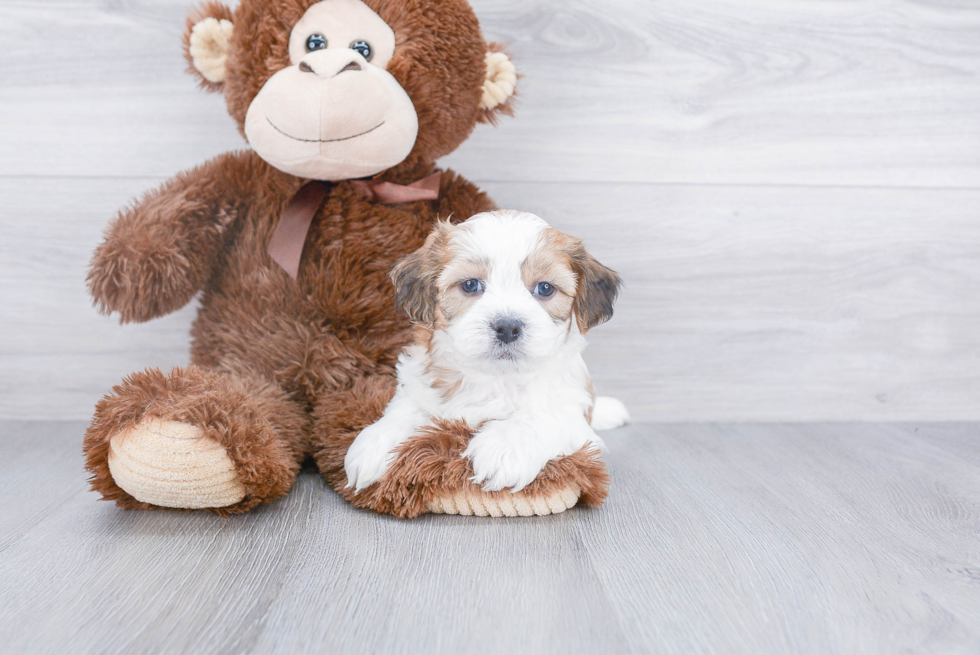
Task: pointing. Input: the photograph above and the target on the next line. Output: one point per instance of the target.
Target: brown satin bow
(385, 192)
(286, 245)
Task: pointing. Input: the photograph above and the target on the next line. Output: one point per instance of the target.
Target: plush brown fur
(430, 464)
(261, 429)
(208, 9)
(283, 369)
(439, 61)
(506, 108)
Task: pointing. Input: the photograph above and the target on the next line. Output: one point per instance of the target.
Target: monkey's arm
(460, 198)
(160, 251)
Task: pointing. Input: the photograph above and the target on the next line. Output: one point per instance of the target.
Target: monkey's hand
(160, 251)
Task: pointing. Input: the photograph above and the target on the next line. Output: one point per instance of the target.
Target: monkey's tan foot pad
(475, 503)
(172, 464)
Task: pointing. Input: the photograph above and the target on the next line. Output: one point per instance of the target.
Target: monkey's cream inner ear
(501, 80)
(209, 44)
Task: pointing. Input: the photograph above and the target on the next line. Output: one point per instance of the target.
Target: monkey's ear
(499, 86)
(596, 292)
(207, 39)
(415, 277)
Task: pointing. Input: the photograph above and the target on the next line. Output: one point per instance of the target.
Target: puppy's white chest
(482, 400)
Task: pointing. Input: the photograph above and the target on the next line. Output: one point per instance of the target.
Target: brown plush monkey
(293, 352)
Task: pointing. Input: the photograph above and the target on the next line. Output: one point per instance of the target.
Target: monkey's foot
(475, 503)
(173, 464)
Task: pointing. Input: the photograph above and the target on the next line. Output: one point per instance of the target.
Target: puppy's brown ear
(415, 290)
(207, 40)
(415, 277)
(597, 289)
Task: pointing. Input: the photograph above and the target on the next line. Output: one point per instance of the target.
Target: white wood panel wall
(790, 190)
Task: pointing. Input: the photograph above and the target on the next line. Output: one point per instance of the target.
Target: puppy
(500, 304)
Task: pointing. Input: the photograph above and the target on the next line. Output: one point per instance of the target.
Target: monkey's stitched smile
(346, 138)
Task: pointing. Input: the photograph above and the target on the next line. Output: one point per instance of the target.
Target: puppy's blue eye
(316, 42)
(471, 286)
(362, 47)
(543, 289)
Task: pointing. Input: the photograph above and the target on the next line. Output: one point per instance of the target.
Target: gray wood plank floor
(829, 538)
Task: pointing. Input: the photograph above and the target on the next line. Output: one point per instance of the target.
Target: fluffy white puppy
(500, 302)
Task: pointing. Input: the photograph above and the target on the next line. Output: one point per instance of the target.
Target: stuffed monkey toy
(346, 105)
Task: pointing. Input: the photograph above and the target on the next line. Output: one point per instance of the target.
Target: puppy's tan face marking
(550, 263)
(501, 289)
(452, 300)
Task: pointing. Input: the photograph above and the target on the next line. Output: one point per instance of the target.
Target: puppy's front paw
(368, 457)
(504, 456)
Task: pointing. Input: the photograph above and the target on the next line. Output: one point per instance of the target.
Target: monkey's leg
(338, 417)
(194, 439)
(430, 473)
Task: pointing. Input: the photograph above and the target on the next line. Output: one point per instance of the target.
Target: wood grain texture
(716, 538)
(708, 153)
(791, 192)
(876, 92)
(741, 303)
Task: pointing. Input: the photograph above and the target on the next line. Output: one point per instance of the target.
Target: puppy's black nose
(508, 329)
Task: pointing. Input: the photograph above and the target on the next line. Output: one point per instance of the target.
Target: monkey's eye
(543, 289)
(362, 47)
(316, 42)
(471, 286)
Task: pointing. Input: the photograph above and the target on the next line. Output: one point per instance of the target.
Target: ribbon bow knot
(286, 245)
